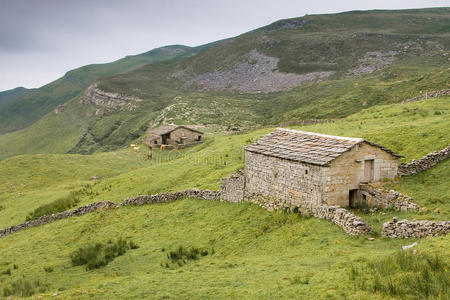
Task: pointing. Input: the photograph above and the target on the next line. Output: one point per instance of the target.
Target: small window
(306, 172)
(156, 142)
(199, 138)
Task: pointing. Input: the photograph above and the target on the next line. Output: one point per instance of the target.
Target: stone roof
(164, 129)
(307, 147)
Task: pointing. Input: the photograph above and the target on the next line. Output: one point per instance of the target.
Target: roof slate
(307, 147)
(163, 129)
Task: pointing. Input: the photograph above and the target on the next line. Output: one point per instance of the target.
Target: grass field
(257, 254)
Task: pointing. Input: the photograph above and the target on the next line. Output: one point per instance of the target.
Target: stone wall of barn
(346, 172)
(292, 183)
(191, 136)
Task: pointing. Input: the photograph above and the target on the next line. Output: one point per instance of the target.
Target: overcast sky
(40, 40)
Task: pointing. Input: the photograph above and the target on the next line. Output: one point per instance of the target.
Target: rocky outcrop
(110, 101)
(386, 199)
(414, 229)
(427, 95)
(169, 197)
(286, 24)
(82, 210)
(423, 163)
(256, 75)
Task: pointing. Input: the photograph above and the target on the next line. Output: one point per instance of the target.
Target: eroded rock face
(256, 75)
(110, 101)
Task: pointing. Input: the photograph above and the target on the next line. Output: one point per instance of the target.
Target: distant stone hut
(303, 168)
(173, 135)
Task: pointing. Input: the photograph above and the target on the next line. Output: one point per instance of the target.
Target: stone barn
(302, 168)
(171, 135)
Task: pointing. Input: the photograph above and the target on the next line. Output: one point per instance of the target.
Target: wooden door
(368, 170)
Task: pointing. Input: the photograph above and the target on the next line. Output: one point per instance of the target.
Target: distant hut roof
(307, 147)
(164, 129)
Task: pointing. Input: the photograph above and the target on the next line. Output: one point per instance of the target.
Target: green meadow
(252, 253)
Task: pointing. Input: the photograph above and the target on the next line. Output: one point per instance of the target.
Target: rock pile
(82, 210)
(169, 197)
(424, 163)
(414, 229)
(257, 74)
(433, 94)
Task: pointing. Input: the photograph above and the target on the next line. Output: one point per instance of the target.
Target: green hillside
(252, 253)
(33, 106)
(10, 95)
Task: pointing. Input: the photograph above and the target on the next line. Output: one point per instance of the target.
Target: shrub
(405, 275)
(99, 255)
(24, 288)
(182, 255)
(298, 279)
(48, 269)
(61, 204)
(7, 272)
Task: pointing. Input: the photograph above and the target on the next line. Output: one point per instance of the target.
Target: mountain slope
(10, 95)
(31, 107)
(313, 67)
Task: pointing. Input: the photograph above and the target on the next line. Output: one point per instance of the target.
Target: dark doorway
(164, 138)
(353, 198)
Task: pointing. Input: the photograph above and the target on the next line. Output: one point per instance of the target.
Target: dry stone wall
(424, 163)
(433, 94)
(386, 199)
(414, 229)
(82, 210)
(351, 224)
(306, 122)
(169, 197)
(232, 188)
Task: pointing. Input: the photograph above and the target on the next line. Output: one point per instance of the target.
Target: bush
(182, 255)
(99, 255)
(405, 275)
(6, 272)
(48, 269)
(24, 288)
(61, 204)
(298, 279)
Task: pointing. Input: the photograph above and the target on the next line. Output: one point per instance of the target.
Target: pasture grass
(257, 253)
